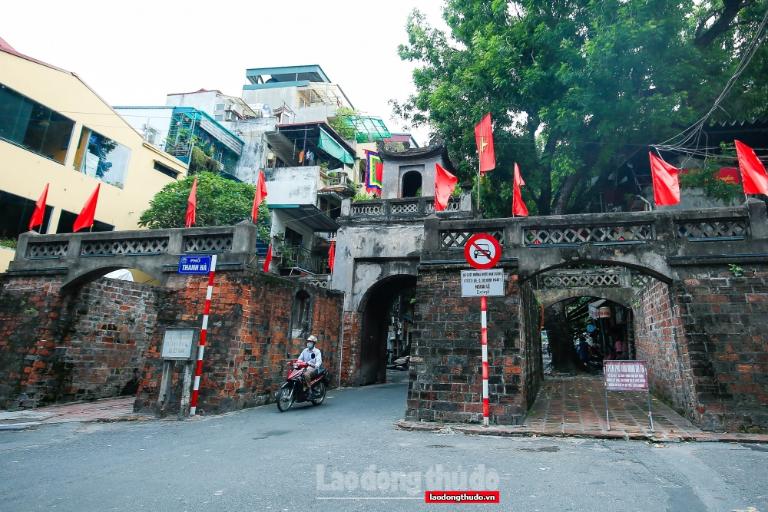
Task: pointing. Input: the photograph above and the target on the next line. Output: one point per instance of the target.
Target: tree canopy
(576, 87)
(220, 202)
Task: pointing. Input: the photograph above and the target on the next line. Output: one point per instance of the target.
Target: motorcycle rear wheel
(320, 386)
(285, 399)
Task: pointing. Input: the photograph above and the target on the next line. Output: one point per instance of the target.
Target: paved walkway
(575, 407)
(577, 404)
(106, 410)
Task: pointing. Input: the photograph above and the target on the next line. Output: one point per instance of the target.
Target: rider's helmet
(311, 341)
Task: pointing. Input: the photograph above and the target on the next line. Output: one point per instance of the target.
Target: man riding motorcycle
(313, 357)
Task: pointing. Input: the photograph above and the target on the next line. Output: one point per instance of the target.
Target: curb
(703, 437)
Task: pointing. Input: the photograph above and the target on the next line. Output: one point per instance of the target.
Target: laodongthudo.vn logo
(438, 484)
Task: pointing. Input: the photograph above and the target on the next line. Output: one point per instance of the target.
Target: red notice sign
(625, 375)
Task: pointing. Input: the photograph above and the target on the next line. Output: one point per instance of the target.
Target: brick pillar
(445, 376)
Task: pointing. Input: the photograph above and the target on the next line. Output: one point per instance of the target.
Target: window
(15, 212)
(102, 158)
(165, 170)
(34, 127)
(67, 220)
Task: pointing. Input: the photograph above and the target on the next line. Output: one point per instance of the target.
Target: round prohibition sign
(482, 251)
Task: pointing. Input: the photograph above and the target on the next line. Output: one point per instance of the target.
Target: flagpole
(479, 175)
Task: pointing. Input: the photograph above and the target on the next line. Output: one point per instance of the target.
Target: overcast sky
(135, 52)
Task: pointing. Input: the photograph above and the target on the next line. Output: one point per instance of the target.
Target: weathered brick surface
(706, 340)
(445, 377)
(726, 323)
(85, 344)
(660, 340)
(350, 364)
(249, 341)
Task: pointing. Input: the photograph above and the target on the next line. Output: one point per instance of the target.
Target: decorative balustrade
(607, 277)
(410, 209)
(137, 246)
(456, 239)
(46, 250)
(719, 229)
(606, 229)
(208, 243)
(558, 235)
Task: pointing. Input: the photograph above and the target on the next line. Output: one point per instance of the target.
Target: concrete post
(21, 245)
(244, 238)
(175, 241)
(346, 207)
(758, 219)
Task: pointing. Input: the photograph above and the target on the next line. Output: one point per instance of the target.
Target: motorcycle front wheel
(320, 386)
(285, 398)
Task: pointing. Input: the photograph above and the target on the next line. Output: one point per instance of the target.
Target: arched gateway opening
(387, 314)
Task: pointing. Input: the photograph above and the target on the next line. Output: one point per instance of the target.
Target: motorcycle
(293, 390)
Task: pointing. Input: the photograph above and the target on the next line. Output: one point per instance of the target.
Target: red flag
(484, 141)
(666, 187)
(261, 193)
(518, 205)
(752, 170)
(88, 213)
(39, 213)
(331, 254)
(189, 218)
(445, 182)
(268, 259)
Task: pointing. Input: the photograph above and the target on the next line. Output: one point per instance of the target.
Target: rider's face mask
(310, 345)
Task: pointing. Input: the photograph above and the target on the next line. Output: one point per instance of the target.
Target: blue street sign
(194, 264)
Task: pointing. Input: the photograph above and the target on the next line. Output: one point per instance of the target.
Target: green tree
(220, 202)
(342, 122)
(576, 87)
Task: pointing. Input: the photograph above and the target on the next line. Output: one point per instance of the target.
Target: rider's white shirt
(306, 356)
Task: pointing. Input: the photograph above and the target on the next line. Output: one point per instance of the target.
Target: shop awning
(333, 148)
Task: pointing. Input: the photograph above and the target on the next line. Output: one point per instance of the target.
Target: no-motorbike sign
(482, 251)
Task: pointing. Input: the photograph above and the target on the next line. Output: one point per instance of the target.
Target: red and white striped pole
(203, 337)
(484, 343)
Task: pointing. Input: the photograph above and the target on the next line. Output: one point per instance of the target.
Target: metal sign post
(482, 251)
(203, 338)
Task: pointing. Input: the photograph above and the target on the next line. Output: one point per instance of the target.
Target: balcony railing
(301, 259)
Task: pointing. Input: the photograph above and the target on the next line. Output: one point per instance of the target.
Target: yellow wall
(25, 174)
(6, 256)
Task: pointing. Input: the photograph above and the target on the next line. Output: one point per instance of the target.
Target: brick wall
(30, 310)
(706, 343)
(660, 340)
(85, 344)
(445, 377)
(350, 363)
(249, 339)
(725, 318)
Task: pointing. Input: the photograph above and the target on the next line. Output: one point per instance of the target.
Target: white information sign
(178, 343)
(482, 283)
(625, 375)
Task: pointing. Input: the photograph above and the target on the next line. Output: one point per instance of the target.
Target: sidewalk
(575, 407)
(105, 410)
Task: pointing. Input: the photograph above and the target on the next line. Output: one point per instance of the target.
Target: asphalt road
(328, 457)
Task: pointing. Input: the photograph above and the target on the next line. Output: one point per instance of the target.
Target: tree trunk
(560, 338)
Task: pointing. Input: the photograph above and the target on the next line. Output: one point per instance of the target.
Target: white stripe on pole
(483, 319)
(203, 339)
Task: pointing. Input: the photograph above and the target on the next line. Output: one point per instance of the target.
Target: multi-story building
(56, 130)
(182, 130)
(305, 90)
